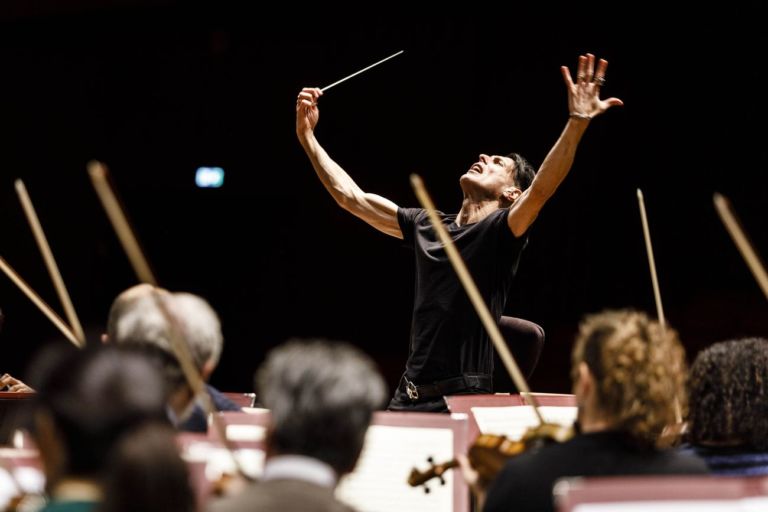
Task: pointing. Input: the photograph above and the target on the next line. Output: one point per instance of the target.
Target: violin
(489, 453)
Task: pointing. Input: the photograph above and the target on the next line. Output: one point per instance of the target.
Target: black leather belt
(454, 385)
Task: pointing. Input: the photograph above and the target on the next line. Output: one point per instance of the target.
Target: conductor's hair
(524, 171)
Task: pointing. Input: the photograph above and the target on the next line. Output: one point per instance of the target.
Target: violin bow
(37, 301)
(50, 261)
(733, 226)
(655, 283)
(100, 178)
(651, 261)
(474, 296)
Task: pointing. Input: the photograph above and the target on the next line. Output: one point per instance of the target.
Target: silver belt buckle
(410, 388)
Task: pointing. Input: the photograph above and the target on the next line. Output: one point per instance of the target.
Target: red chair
(242, 399)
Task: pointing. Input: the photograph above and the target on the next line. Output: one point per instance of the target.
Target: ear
(207, 370)
(104, 338)
(585, 382)
(511, 194)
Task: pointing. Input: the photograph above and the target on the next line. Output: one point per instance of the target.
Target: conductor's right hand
(307, 113)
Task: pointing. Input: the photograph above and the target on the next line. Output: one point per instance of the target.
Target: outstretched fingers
(584, 94)
(590, 71)
(599, 79)
(581, 74)
(566, 76)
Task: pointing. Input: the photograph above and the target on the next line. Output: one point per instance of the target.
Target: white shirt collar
(299, 467)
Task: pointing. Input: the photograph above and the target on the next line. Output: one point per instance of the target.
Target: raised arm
(379, 212)
(584, 104)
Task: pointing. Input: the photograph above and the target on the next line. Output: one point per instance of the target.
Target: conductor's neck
(473, 211)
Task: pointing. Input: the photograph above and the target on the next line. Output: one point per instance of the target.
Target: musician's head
(124, 305)
(497, 177)
(729, 395)
(322, 395)
(146, 473)
(137, 320)
(629, 374)
(86, 402)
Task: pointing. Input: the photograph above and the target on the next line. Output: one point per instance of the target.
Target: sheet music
(744, 505)
(252, 433)
(379, 484)
(255, 410)
(25, 479)
(218, 460)
(513, 421)
(754, 504)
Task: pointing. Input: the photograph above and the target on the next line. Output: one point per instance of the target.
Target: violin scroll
(417, 477)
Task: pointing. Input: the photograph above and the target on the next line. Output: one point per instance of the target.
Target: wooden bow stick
(37, 301)
(100, 178)
(651, 261)
(50, 262)
(732, 224)
(655, 282)
(474, 296)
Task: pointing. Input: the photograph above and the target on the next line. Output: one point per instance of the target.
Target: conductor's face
(489, 177)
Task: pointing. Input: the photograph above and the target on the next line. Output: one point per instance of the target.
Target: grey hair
(322, 395)
(201, 325)
(135, 319)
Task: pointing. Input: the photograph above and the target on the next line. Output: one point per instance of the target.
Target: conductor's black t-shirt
(447, 337)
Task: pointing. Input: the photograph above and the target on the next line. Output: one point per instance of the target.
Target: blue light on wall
(209, 177)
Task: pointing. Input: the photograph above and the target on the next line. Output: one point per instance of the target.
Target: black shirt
(526, 481)
(447, 337)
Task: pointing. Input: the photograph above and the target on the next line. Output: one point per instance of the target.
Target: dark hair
(639, 371)
(729, 394)
(524, 171)
(322, 395)
(93, 396)
(145, 473)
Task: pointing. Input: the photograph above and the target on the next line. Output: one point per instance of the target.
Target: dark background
(157, 88)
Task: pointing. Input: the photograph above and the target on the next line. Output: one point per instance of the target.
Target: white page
(252, 433)
(513, 421)
(379, 483)
(754, 504)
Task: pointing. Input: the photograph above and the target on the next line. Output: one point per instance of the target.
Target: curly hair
(729, 394)
(639, 370)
